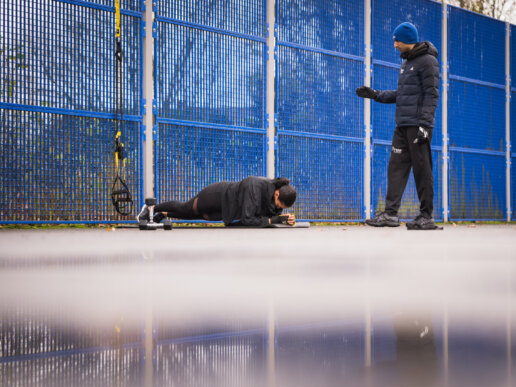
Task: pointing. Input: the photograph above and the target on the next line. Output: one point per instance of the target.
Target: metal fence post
(271, 346)
(367, 110)
(148, 95)
(508, 117)
(444, 49)
(270, 85)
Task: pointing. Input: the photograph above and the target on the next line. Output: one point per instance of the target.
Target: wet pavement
(375, 306)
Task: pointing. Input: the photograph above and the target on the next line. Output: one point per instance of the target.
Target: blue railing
(58, 104)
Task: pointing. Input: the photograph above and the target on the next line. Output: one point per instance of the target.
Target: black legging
(207, 204)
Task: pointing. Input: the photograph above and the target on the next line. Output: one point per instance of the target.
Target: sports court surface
(334, 299)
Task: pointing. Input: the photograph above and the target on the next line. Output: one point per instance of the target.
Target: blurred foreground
(325, 306)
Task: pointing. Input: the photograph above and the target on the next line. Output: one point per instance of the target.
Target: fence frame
(149, 120)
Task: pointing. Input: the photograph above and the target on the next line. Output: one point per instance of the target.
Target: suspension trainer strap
(120, 194)
(119, 146)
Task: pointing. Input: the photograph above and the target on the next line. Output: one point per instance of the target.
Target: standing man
(416, 101)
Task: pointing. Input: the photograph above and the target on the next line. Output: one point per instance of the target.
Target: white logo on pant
(397, 150)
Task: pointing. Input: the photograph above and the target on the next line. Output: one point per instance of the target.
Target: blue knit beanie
(406, 33)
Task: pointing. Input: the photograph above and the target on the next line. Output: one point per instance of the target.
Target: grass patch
(44, 226)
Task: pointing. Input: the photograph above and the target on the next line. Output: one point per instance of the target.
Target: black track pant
(404, 156)
(207, 204)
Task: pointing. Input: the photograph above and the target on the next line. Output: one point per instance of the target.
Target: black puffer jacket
(418, 87)
(249, 202)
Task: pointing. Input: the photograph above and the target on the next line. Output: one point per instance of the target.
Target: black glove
(279, 219)
(158, 217)
(422, 135)
(366, 92)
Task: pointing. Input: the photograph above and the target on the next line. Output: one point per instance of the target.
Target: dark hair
(287, 195)
(280, 182)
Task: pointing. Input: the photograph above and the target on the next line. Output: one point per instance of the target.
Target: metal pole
(508, 117)
(148, 95)
(271, 347)
(148, 338)
(444, 56)
(368, 350)
(270, 86)
(148, 171)
(508, 324)
(367, 109)
(148, 346)
(446, 208)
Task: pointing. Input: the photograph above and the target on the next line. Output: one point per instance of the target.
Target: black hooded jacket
(418, 87)
(249, 202)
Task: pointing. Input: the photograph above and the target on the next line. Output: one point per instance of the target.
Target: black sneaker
(144, 214)
(158, 217)
(422, 222)
(384, 220)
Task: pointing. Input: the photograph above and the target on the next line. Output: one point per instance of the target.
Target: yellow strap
(117, 14)
(117, 136)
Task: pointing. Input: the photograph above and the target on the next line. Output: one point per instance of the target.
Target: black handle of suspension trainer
(118, 49)
(119, 149)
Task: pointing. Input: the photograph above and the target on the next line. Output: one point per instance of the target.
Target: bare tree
(498, 9)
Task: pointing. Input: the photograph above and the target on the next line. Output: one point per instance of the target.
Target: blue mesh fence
(477, 186)
(320, 127)
(331, 351)
(427, 17)
(386, 15)
(57, 104)
(327, 174)
(69, 173)
(476, 46)
(40, 346)
(513, 184)
(476, 116)
(513, 143)
(210, 94)
(199, 354)
(513, 120)
(323, 24)
(191, 157)
(384, 77)
(58, 99)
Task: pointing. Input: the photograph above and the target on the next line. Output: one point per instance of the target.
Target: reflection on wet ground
(318, 307)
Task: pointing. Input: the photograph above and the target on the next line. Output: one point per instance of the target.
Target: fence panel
(210, 94)
(320, 128)
(476, 116)
(386, 15)
(52, 346)
(57, 105)
(313, 354)
(58, 99)
(216, 354)
(513, 120)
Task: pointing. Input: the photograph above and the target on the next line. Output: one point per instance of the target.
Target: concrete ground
(308, 287)
(301, 273)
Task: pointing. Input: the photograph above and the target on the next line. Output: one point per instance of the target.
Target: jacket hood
(421, 48)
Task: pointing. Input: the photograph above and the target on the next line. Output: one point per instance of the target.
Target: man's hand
(291, 219)
(366, 92)
(422, 136)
